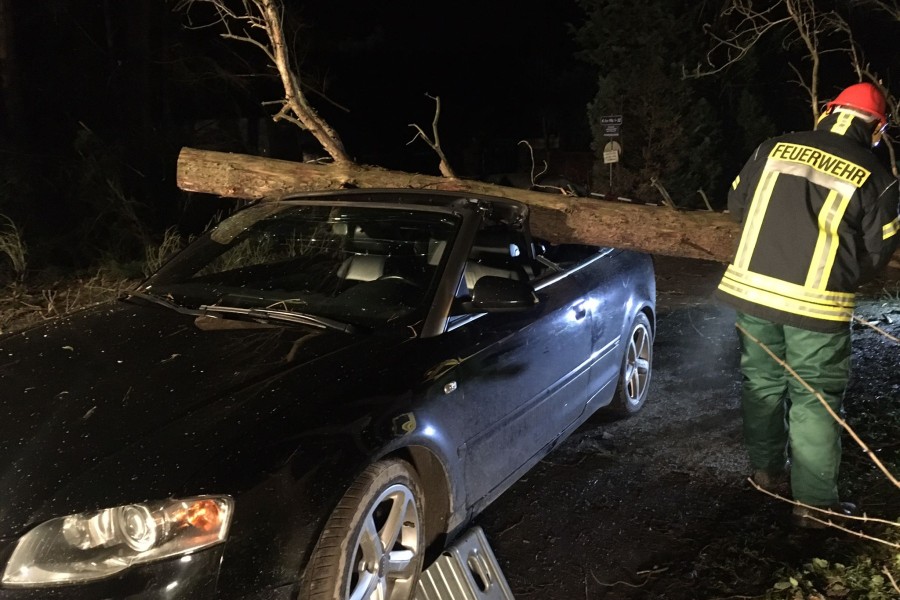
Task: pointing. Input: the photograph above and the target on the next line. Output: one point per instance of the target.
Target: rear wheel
(637, 365)
(373, 543)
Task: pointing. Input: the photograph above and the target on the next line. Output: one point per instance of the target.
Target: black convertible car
(309, 401)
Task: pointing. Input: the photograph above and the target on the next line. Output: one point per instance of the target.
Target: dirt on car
(659, 505)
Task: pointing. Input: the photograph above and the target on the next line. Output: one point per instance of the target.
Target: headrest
(362, 267)
(436, 251)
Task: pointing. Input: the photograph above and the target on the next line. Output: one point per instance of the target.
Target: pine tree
(673, 130)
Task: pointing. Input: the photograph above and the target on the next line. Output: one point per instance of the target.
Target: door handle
(580, 311)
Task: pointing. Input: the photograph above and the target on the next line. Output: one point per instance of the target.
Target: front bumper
(192, 576)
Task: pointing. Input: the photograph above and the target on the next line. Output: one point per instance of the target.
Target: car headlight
(91, 545)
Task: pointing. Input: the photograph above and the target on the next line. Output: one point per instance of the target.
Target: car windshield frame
(366, 262)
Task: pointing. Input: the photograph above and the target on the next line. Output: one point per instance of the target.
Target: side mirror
(499, 294)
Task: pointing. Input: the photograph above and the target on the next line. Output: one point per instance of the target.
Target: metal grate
(468, 570)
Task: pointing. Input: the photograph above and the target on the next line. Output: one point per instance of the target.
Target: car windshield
(366, 265)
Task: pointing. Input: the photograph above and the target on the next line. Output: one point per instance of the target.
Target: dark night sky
(497, 58)
(503, 69)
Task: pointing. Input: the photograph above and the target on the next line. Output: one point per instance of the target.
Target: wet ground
(657, 506)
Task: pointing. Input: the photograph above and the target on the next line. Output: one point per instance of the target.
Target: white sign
(611, 152)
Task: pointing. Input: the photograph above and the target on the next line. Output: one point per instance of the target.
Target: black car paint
(253, 433)
(283, 418)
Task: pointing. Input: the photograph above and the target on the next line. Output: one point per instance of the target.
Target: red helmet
(864, 97)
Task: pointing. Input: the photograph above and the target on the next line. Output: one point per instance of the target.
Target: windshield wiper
(284, 316)
(160, 301)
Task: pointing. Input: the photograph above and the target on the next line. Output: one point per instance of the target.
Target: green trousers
(781, 417)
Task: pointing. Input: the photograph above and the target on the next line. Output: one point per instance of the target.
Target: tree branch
(806, 27)
(267, 16)
(534, 177)
(435, 142)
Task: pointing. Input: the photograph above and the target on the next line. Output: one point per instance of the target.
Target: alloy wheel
(637, 363)
(385, 565)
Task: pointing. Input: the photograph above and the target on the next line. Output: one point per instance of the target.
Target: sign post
(612, 126)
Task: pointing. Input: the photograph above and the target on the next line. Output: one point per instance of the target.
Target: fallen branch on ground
(890, 576)
(649, 575)
(878, 329)
(862, 518)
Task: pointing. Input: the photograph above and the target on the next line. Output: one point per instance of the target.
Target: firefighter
(819, 217)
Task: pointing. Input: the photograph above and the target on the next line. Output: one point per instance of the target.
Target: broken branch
(435, 142)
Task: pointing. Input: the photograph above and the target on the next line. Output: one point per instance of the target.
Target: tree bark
(556, 218)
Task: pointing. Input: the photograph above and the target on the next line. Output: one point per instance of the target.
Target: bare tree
(260, 23)
(892, 7)
(805, 27)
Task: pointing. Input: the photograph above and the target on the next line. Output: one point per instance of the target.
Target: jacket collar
(848, 126)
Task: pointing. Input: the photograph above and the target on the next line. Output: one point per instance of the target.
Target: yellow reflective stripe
(827, 244)
(792, 290)
(843, 123)
(834, 242)
(790, 305)
(758, 207)
(736, 182)
(814, 275)
(890, 229)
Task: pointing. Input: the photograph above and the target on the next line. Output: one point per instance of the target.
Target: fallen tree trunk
(556, 218)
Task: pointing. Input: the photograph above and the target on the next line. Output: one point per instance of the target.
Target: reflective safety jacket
(819, 216)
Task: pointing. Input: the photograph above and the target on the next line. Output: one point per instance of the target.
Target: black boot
(810, 518)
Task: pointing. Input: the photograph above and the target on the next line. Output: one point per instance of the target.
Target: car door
(609, 300)
(524, 376)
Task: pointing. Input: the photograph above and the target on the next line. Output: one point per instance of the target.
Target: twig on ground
(649, 574)
(556, 464)
(652, 571)
(700, 333)
(890, 576)
(876, 328)
(862, 518)
(510, 527)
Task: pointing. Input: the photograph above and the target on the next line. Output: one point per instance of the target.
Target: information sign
(612, 124)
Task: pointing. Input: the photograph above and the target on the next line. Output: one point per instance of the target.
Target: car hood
(80, 389)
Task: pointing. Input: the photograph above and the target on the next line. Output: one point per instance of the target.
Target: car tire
(373, 543)
(637, 367)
